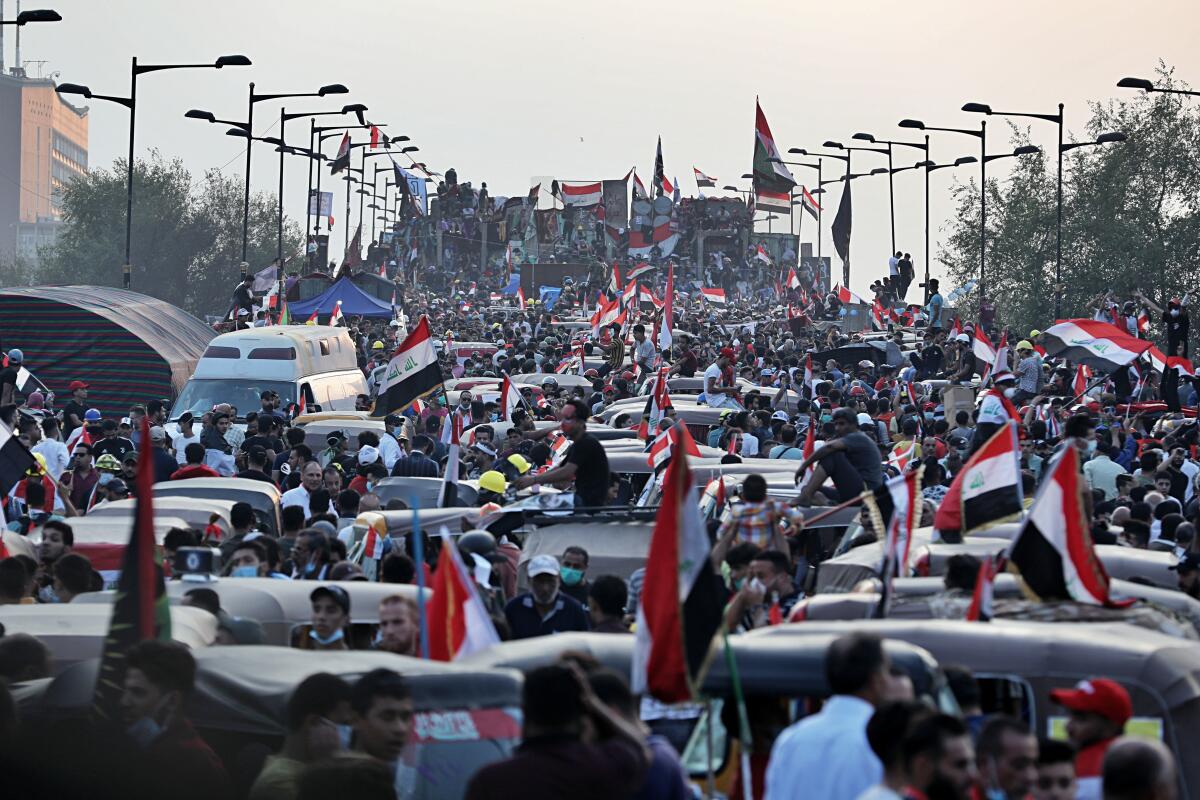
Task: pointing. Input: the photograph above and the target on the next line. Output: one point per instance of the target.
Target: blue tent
(355, 303)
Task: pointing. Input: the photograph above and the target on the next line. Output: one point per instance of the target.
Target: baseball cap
(117, 485)
(864, 418)
(335, 593)
(392, 419)
(132, 455)
(962, 337)
(781, 416)
(186, 417)
(157, 434)
(368, 454)
(543, 565)
(75, 386)
(91, 415)
(1188, 562)
(1097, 696)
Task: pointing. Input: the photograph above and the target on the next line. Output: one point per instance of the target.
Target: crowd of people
(773, 363)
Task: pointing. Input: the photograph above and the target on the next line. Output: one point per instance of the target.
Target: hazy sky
(506, 90)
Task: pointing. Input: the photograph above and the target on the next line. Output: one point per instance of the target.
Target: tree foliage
(186, 237)
(1131, 215)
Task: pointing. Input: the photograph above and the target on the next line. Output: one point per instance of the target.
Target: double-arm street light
(980, 134)
(284, 116)
(130, 103)
(891, 197)
(820, 183)
(1057, 119)
(817, 167)
(923, 147)
(33, 15)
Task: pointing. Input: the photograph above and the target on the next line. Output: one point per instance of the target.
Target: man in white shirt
(187, 435)
(716, 393)
(310, 481)
(827, 755)
(644, 352)
(52, 449)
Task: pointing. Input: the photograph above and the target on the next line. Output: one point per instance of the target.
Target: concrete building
(43, 146)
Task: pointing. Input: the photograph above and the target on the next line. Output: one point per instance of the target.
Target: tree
(186, 238)
(1130, 215)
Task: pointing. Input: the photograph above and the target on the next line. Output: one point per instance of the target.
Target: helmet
(550, 382)
(91, 415)
(479, 542)
(493, 481)
(15, 356)
(857, 391)
(377, 346)
(108, 462)
(518, 461)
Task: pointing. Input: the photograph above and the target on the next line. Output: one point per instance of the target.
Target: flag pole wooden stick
(829, 512)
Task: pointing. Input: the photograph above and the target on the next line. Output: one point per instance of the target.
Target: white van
(316, 361)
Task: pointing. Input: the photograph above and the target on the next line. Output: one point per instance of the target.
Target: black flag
(841, 228)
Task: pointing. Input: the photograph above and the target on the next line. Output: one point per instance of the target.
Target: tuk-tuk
(281, 607)
(785, 670)
(104, 539)
(327, 416)
(76, 631)
(427, 492)
(197, 512)
(843, 572)
(263, 497)
(466, 717)
(1017, 663)
(315, 433)
(617, 547)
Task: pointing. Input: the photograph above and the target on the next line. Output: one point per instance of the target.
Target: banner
(320, 205)
(616, 203)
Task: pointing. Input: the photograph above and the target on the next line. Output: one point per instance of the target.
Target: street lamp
(891, 194)
(328, 89)
(922, 146)
(33, 15)
(130, 102)
(1147, 86)
(817, 167)
(981, 134)
(353, 108)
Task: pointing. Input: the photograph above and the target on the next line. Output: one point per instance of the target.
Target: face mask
(333, 637)
(144, 731)
(1091, 445)
(738, 583)
(47, 595)
(826, 418)
(244, 572)
(310, 568)
(1174, 312)
(571, 577)
(1009, 392)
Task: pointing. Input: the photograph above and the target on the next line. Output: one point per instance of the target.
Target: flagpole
(743, 719)
(419, 557)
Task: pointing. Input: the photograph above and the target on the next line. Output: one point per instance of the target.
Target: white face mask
(325, 641)
(1009, 392)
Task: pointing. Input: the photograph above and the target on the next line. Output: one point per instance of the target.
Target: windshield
(244, 394)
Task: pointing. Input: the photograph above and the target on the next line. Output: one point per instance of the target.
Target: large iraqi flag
(773, 183)
(1099, 345)
(988, 487)
(412, 373)
(1053, 551)
(680, 611)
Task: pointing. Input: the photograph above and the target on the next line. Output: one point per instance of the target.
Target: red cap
(76, 385)
(1098, 696)
(727, 352)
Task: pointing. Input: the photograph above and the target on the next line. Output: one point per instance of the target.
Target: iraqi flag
(680, 611)
(521, 298)
(895, 508)
(980, 609)
(510, 398)
(809, 203)
(639, 269)
(1053, 551)
(639, 188)
(459, 622)
(336, 317)
(140, 608)
(984, 351)
(452, 431)
(1099, 345)
(664, 331)
(342, 159)
(773, 182)
(703, 181)
(412, 373)
(15, 460)
(810, 444)
(614, 280)
(713, 295)
(793, 280)
(988, 487)
(581, 195)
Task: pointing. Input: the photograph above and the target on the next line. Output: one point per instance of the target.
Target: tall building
(43, 146)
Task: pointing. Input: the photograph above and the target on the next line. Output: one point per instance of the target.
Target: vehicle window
(273, 353)
(201, 394)
(1007, 694)
(324, 347)
(222, 352)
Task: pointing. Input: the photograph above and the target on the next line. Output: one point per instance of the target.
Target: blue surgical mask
(144, 731)
(47, 595)
(244, 572)
(345, 735)
(1091, 445)
(571, 577)
(324, 641)
(310, 568)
